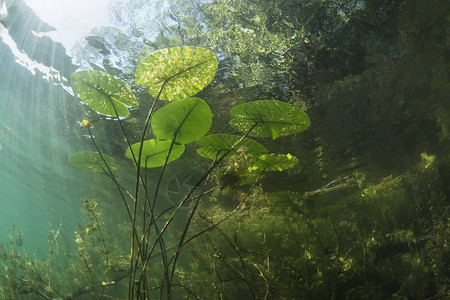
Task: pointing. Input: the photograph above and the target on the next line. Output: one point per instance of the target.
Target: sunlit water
(40, 191)
(40, 123)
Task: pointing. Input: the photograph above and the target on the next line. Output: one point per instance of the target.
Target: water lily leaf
(101, 91)
(184, 71)
(215, 145)
(91, 160)
(269, 118)
(274, 162)
(186, 120)
(154, 152)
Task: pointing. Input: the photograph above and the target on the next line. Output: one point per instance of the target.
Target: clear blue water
(39, 190)
(40, 126)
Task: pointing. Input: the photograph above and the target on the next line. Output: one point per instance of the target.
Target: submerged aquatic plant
(326, 235)
(343, 240)
(176, 74)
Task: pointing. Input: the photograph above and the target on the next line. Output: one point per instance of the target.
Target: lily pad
(269, 118)
(215, 145)
(274, 162)
(186, 120)
(154, 152)
(103, 93)
(91, 160)
(184, 71)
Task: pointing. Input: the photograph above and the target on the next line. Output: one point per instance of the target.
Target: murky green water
(338, 191)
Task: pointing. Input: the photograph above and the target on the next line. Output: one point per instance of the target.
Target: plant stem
(133, 265)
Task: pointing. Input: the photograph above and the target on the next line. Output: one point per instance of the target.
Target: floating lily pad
(91, 160)
(269, 118)
(186, 120)
(103, 93)
(154, 152)
(274, 162)
(215, 145)
(184, 71)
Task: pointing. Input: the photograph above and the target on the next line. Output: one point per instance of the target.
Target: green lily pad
(215, 145)
(269, 118)
(154, 152)
(184, 71)
(91, 160)
(186, 120)
(274, 162)
(101, 91)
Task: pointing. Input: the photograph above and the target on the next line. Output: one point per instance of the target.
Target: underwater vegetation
(172, 74)
(237, 240)
(175, 74)
(270, 211)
